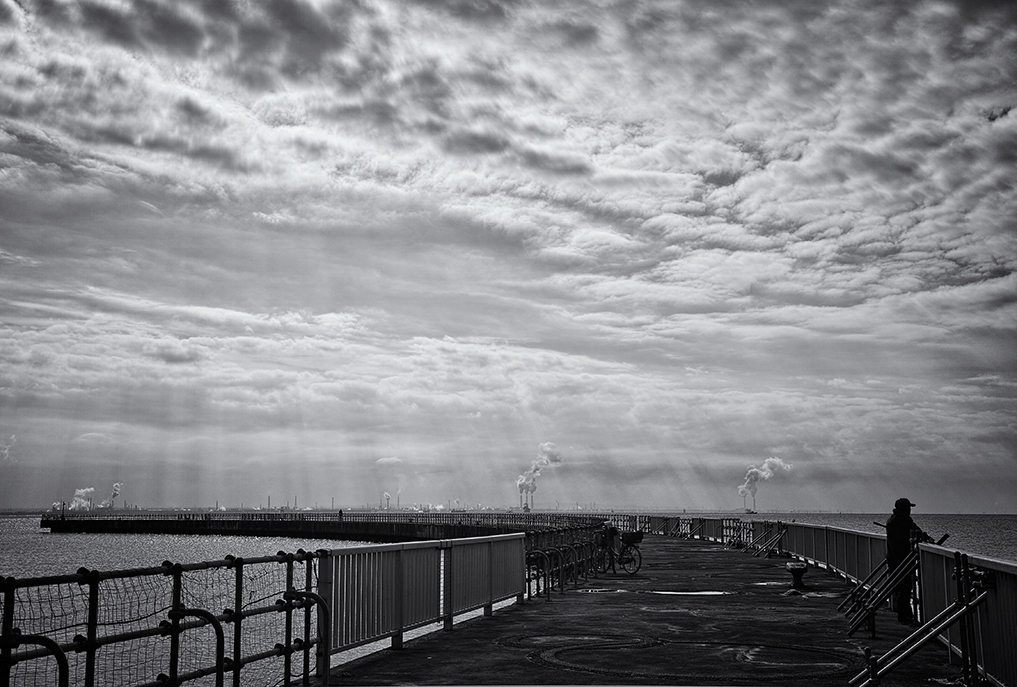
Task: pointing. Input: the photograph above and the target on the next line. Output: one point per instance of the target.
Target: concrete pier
(695, 614)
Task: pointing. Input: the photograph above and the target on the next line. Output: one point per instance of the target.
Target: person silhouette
(901, 531)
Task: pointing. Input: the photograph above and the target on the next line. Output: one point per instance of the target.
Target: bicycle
(624, 552)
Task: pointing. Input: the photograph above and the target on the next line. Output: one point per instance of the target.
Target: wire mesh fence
(233, 621)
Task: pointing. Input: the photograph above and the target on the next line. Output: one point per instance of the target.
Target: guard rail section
(256, 621)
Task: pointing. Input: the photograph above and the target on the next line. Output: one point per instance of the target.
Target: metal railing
(382, 591)
(165, 625)
(987, 636)
(161, 626)
(991, 635)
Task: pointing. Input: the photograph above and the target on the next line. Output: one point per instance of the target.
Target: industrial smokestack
(82, 499)
(527, 482)
(755, 475)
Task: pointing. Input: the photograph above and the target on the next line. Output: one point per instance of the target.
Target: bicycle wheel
(601, 560)
(630, 559)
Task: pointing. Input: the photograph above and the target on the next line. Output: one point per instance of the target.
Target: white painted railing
(382, 591)
(995, 622)
(855, 554)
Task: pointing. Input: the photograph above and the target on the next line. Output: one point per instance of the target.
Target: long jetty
(520, 598)
(369, 526)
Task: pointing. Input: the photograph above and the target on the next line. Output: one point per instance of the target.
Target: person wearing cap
(900, 531)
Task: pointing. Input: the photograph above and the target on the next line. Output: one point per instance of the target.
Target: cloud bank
(274, 245)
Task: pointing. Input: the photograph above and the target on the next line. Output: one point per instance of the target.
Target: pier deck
(696, 614)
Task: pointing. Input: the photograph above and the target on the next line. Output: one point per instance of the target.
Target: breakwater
(541, 529)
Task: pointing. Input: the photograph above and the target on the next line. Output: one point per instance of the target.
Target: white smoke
(81, 499)
(108, 503)
(546, 455)
(755, 475)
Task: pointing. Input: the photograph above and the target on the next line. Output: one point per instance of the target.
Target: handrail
(326, 639)
(220, 638)
(50, 647)
(108, 603)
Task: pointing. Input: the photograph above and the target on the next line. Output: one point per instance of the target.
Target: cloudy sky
(317, 249)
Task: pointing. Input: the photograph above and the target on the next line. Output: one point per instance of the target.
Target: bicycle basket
(631, 537)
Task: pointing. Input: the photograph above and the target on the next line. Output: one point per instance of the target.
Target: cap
(903, 503)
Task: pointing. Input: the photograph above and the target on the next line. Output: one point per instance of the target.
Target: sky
(610, 253)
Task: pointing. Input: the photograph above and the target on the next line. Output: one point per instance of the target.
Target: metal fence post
(91, 578)
(399, 590)
(308, 564)
(7, 632)
(238, 617)
(323, 664)
(447, 583)
(489, 606)
(176, 605)
(287, 655)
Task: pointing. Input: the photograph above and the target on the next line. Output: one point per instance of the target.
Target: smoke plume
(81, 499)
(755, 475)
(546, 455)
(108, 503)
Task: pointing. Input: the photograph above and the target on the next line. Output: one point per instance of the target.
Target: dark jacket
(899, 528)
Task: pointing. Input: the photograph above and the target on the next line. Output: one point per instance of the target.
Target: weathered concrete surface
(661, 627)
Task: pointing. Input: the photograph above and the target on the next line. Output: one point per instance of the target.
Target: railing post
(959, 576)
(447, 585)
(91, 578)
(308, 559)
(489, 606)
(176, 605)
(325, 591)
(326, 636)
(238, 617)
(7, 632)
(287, 656)
(400, 590)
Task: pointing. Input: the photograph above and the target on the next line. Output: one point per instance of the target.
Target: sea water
(27, 550)
(993, 536)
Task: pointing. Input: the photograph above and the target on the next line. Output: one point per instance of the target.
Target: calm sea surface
(26, 550)
(994, 536)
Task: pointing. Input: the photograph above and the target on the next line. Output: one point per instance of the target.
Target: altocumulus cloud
(293, 239)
